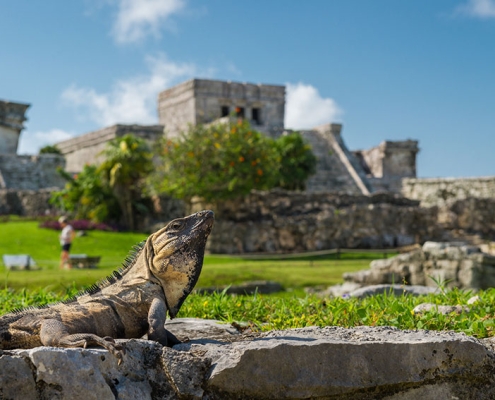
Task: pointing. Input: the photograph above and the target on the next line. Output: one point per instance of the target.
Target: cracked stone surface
(329, 363)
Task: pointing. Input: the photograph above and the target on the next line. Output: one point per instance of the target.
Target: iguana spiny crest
(132, 302)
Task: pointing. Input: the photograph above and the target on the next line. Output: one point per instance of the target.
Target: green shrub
(113, 190)
(297, 161)
(227, 161)
(127, 162)
(86, 196)
(50, 150)
(217, 162)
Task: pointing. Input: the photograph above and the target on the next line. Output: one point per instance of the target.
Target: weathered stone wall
(26, 202)
(388, 163)
(9, 139)
(280, 221)
(445, 191)
(201, 101)
(31, 172)
(86, 149)
(472, 215)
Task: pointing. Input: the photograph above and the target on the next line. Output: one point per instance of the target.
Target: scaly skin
(130, 303)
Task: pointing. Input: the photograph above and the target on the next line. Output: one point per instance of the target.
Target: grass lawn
(25, 237)
(281, 311)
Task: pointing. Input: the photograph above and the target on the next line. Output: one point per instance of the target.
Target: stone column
(11, 124)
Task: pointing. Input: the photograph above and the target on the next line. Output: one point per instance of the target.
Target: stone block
(396, 290)
(330, 362)
(17, 381)
(487, 277)
(383, 264)
(470, 275)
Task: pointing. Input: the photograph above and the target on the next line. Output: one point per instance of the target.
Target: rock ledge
(219, 363)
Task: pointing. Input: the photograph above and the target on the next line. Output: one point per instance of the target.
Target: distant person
(66, 237)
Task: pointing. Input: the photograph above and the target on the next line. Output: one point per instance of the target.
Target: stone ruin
(23, 172)
(434, 264)
(207, 101)
(218, 362)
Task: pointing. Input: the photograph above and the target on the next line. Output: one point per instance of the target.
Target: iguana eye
(176, 225)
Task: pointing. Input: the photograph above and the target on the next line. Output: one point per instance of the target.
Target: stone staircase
(337, 170)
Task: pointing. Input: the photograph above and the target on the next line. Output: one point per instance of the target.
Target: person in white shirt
(66, 237)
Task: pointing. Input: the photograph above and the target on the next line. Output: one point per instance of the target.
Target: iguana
(155, 278)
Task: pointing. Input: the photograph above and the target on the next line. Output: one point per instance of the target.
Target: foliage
(114, 189)
(49, 149)
(10, 300)
(218, 162)
(297, 161)
(282, 312)
(263, 313)
(86, 196)
(127, 162)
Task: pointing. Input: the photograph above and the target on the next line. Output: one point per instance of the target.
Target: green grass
(262, 313)
(288, 310)
(274, 312)
(25, 237)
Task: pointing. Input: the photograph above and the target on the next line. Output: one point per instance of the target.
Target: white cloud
(132, 100)
(478, 8)
(305, 108)
(31, 143)
(138, 18)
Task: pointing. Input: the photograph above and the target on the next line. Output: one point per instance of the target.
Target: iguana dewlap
(155, 279)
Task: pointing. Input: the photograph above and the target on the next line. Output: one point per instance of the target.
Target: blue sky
(386, 69)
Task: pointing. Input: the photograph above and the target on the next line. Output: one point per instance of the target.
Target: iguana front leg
(157, 316)
(54, 333)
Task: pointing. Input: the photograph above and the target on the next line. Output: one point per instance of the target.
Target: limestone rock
(341, 290)
(358, 363)
(17, 380)
(186, 371)
(84, 373)
(331, 362)
(448, 264)
(396, 290)
(197, 328)
(251, 287)
(426, 307)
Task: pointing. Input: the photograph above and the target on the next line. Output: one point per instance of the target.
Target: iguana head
(178, 251)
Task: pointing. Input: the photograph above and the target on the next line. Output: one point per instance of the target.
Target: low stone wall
(26, 202)
(280, 221)
(472, 215)
(445, 191)
(31, 172)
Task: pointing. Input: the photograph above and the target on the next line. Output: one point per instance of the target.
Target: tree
(297, 161)
(86, 196)
(217, 162)
(127, 163)
(49, 149)
(220, 162)
(113, 190)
